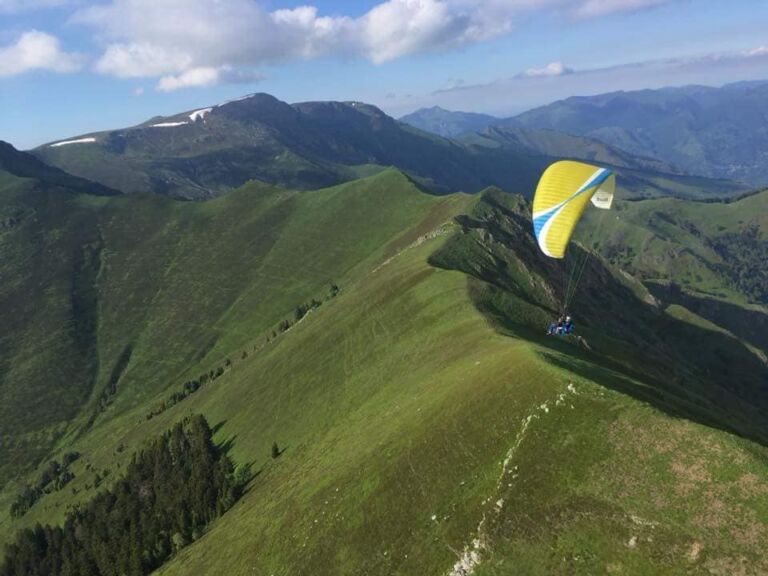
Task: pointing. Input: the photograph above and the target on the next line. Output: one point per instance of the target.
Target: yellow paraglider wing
(563, 193)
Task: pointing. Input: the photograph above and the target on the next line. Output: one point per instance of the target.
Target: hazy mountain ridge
(713, 132)
(719, 133)
(448, 123)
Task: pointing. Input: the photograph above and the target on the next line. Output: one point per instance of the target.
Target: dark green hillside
(23, 165)
(105, 302)
(51, 250)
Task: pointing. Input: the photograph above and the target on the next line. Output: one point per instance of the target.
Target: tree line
(54, 477)
(189, 387)
(169, 494)
(301, 310)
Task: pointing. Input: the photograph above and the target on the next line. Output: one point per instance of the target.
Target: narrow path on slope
(472, 555)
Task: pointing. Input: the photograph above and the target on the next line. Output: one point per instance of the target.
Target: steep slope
(426, 424)
(104, 301)
(713, 132)
(447, 123)
(23, 165)
(50, 265)
(204, 153)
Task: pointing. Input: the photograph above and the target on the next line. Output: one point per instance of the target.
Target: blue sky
(69, 67)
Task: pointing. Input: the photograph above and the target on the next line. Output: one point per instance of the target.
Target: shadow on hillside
(635, 347)
(748, 324)
(661, 397)
(216, 427)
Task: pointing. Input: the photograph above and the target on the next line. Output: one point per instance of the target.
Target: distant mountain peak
(447, 123)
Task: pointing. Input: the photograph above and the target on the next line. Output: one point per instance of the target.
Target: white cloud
(207, 76)
(194, 77)
(593, 8)
(759, 51)
(36, 50)
(138, 91)
(495, 97)
(185, 41)
(551, 69)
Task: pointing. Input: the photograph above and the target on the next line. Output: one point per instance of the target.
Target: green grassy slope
(429, 430)
(420, 410)
(172, 284)
(705, 257)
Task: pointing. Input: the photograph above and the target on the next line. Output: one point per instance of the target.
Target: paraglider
(563, 193)
(564, 190)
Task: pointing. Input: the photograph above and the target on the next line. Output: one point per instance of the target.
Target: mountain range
(705, 131)
(204, 153)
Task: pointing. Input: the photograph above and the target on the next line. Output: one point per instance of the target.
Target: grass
(412, 403)
(676, 241)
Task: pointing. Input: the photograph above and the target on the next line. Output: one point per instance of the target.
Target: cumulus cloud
(201, 77)
(551, 69)
(191, 42)
(194, 77)
(36, 50)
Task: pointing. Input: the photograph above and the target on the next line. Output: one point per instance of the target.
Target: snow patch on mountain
(199, 114)
(78, 141)
(168, 124)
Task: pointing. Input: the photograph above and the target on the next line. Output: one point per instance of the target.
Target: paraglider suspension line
(579, 265)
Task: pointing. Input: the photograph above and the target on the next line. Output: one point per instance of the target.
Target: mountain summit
(206, 152)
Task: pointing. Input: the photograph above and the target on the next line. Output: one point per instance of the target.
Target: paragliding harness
(561, 327)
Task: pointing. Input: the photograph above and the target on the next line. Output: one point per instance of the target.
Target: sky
(69, 67)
